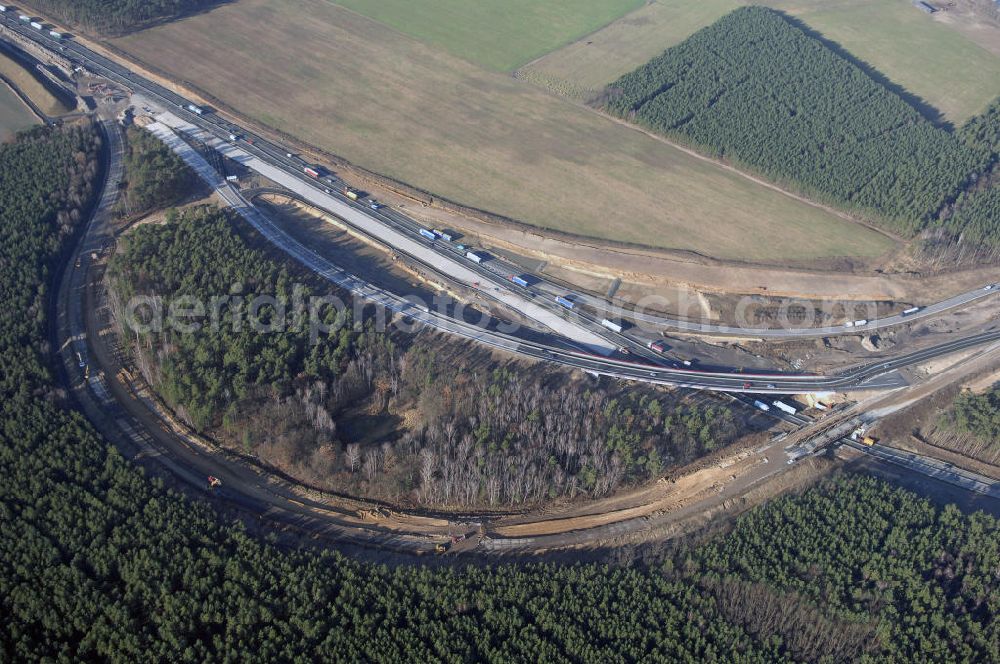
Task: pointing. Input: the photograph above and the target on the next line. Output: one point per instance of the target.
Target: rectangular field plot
(499, 35)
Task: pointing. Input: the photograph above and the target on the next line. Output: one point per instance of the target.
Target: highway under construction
(126, 414)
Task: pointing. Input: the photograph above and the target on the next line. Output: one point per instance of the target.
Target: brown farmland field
(394, 105)
(29, 85)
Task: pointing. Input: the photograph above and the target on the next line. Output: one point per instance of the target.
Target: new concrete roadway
(276, 157)
(273, 156)
(881, 376)
(939, 470)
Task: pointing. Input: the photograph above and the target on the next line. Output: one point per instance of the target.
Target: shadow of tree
(918, 103)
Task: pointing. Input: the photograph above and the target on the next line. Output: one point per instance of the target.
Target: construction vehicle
(868, 441)
(214, 482)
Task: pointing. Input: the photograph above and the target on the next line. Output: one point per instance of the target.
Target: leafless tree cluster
(808, 633)
(967, 443)
(514, 437)
(474, 433)
(939, 249)
(468, 431)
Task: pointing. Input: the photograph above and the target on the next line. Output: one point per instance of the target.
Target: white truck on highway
(612, 325)
(781, 405)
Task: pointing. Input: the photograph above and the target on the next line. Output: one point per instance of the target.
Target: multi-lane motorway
(582, 326)
(250, 491)
(877, 376)
(794, 332)
(395, 229)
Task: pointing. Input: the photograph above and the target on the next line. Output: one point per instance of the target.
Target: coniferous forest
(756, 90)
(99, 561)
(155, 175)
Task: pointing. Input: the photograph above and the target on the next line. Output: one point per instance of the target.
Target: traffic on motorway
(542, 292)
(870, 377)
(651, 367)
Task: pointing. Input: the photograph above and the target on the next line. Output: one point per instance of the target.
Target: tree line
(390, 415)
(754, 89)
(973, 221)
(894, 575)
(47, 180)
(118, 16)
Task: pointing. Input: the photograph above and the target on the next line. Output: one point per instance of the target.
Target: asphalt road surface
(588, 331)
(939, 470)
(874, 325)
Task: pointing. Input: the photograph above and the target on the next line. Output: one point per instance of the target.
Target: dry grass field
(30, 86)
(400, 107)
(930, 57)
(583, 68)
(14, 115)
